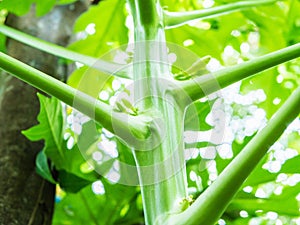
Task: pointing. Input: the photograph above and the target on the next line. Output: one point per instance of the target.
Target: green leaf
(267, 81)
(198, 166)
(289, 192)
(198, 144)
(265, 20)
(21, 7)
(15, 6)
(195, 116)
(64, 2)
(70, 182)
(293, 17)
(89, 81)
(42, 167)
(75, 160)
(291, 166)
(44, 6)
(288, 206)
(85, 206)
(236, 221)
(110, 29)
(260, 176)
(50, 128)
(175, 5)
(210, 37)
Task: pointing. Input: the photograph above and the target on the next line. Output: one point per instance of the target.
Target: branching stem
(222, 191)
(123, 123)
(206, 84)
(161, 166)
(174, 19)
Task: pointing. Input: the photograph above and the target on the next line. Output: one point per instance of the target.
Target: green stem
(104, 66)
(206, 84)
(221, 192)
(113, 121)
(173, 19)
(160, 163)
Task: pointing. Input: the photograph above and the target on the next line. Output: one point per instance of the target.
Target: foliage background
(269, 196)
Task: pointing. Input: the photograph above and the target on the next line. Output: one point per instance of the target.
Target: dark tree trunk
(25, 198)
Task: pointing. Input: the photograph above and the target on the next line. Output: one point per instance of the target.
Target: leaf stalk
(223, 190)
(206, 84)
(123, 123)
(113, 69)
(175, 19)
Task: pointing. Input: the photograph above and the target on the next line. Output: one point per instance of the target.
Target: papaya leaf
(21, 7)
(107, 31)
(42, 167)
(70, 182)
(114, 202)
(50, 128)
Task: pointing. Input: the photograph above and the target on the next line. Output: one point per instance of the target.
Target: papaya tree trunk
(161, 160)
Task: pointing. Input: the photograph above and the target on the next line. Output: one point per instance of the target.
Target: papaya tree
(187, 111)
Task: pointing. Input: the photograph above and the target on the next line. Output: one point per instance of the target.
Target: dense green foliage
(269, 196)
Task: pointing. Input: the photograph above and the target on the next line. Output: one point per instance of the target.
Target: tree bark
(25, 198)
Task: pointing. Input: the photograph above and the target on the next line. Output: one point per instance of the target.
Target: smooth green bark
(161, 164)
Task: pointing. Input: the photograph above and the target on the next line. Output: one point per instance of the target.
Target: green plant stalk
(99, 64)
(161, 167)
(209, 206)
(88, 105)
(206, 84)
(174, 19)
